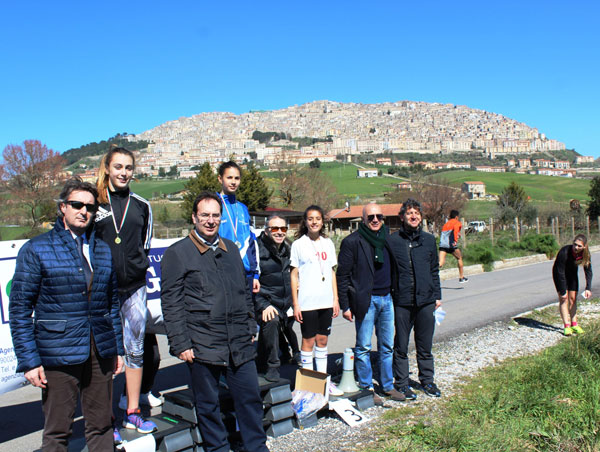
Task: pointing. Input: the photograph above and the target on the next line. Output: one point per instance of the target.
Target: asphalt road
(484, 299)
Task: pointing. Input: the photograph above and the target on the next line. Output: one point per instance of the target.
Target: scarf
(375, 239)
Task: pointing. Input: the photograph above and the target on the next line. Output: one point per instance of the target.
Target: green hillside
(344, 178)
(539, 188)
(146, 188)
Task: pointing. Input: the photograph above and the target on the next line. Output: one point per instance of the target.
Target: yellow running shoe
(568, 331)
(577, 329)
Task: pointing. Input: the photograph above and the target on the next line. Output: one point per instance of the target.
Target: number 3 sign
(347, 412)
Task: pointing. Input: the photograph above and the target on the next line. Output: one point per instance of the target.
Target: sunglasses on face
(78, 205)
(278, 228)
(371, 217)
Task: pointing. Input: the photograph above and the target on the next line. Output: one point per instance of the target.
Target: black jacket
(416, 257)
(275, 280)
(131, 254)
(206, 302)
(355, 272)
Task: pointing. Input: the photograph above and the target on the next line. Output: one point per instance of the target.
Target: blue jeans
(381, 316)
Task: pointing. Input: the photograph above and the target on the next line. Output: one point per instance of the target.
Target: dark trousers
(421, 318)
(287, 335)
(93, 380)
(268, 343)
(151, 362)
(243, 387)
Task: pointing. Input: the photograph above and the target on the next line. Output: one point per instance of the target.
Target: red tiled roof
(389, 210)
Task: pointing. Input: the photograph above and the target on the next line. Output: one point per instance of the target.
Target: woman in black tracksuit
(124, 222)
(566, 280)
(417, 295)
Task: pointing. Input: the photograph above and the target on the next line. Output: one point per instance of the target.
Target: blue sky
(77, 72)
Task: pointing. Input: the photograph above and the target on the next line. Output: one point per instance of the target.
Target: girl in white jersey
(314, 289)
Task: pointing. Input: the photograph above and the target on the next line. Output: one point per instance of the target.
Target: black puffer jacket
(418, 276)
(275, 280)
(206, 302)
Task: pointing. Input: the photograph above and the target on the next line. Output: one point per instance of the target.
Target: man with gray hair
(275, 296)
(365, 277)
(73, 343)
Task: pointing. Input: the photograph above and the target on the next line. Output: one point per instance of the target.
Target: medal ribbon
(318, 258)
(233, 226)
(118, 230)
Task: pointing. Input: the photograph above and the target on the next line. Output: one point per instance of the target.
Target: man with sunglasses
(365, 281)
(275, 297)
(73, 344)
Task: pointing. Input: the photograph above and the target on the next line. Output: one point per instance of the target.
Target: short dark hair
(206, 195)
(410, 203)
(229, 164)
(272, 217)
(454, 213)
(75, 184)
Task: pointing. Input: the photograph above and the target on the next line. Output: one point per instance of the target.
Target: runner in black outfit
(566, 280)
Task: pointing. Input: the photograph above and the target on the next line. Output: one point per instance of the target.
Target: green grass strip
(546, 402)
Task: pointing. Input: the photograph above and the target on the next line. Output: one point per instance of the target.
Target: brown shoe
(396, 395)
(378, 401)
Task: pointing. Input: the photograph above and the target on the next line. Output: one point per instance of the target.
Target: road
(486, 298)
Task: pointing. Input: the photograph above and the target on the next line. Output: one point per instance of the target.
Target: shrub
(543, 243)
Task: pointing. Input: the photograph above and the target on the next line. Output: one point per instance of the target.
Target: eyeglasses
(78, 205)
(207, 216)
(278, 228)
(371, 217)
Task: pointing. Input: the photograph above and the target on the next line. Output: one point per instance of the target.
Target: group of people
(84, 281)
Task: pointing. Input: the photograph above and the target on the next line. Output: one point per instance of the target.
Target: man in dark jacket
(275, 297)
(209, 318)
(73, 343)
(417, 295)
(364, 281)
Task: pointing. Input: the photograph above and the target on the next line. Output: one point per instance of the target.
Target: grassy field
(10, 233)
(539, 188)
(545, 402)
(146, 188)
(347, 184)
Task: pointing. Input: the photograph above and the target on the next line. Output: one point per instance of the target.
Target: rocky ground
(457, 358)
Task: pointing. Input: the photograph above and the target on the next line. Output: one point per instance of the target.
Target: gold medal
(118, 240)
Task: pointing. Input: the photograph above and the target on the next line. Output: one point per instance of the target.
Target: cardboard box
(313, 381)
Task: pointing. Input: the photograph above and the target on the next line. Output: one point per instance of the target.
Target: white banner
(10, 380)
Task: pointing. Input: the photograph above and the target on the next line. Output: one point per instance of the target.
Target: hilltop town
(337, 129)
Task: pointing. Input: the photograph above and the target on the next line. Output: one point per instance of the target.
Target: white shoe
(150, 400)
(335, 391)
(123, 402)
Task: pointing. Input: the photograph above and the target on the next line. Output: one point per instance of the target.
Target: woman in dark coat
(566, 280)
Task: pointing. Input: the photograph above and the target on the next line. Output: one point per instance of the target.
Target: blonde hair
(103, 179)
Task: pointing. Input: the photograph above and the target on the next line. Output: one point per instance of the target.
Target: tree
(299, 189)
(437, 198)
(33, 174)
(254, 191)
(205, 179)
(161, 172)
(514, 202)
(593, 209)
(173, 172)
(316, 163)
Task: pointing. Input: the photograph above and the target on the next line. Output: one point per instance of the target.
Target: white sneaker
(334, 390)
(123, 402)
(150, 400)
